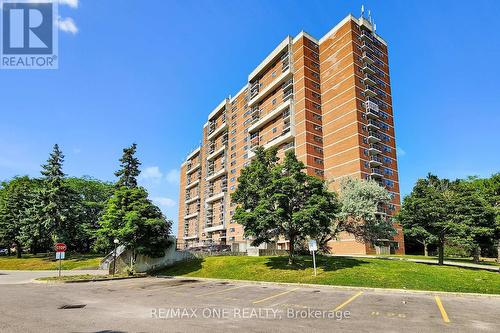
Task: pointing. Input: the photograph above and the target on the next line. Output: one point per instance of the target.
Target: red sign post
(60, 250)
(60, 247)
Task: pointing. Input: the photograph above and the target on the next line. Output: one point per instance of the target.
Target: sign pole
(59, 264)
(314, 263)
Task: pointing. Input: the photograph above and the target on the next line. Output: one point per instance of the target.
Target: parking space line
(441, 309)
(348, 301)
(274, 296)
(220, 291)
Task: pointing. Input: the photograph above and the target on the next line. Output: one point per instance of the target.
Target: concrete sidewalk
(21, 277)
(426, 261)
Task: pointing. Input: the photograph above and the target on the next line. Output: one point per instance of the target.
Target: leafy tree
(479, 209)
(281, 200)
(129, 168)
(359, 213)
(429, 209)
(139, 225)
(92, 197)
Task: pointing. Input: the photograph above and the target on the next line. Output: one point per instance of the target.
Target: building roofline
(270, 57)
(359, 21)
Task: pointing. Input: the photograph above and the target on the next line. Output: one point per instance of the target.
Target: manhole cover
(72, 306)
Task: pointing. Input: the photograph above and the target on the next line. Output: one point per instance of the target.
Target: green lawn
(88, 277)
(343, 271)
(483, 261)
(43, 262)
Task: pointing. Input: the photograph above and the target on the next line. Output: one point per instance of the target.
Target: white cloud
(67, 25)
(400, 151)
(163, 201)
(173, 176)
(152, 172)
(71, 3)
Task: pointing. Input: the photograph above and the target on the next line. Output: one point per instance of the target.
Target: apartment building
(328, 100)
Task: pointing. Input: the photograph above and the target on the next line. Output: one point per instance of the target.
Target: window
(318, 139)
(274, 130)
(233, 155)
(365, 140)
(274, 101)
(233, 171)
(232, 188)
(232, 179)
(318, 160)
(231, 229)
(273, 74)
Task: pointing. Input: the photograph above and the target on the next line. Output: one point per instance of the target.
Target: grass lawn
(43, 262)
(483, 261)
(343, 271)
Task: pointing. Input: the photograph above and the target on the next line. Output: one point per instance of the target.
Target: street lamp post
(116, 241)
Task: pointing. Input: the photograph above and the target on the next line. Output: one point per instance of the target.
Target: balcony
(366, 36)
(375, 149)
(216, 153)
(374, 137)
(217, 131)
(371, 110)
(216, 174)
(215, 228)
(367, 58)
(370, 92)
(192, 184)
(365, 46)
(193, 199)
(367, 68)
(190, 237)
(369, 80)
(285, 137)
(215, 197)
(375, 161)
(373, 125)
(376, 173)
(190, 216)
(192, 168)
(270, 87)
(269, 117)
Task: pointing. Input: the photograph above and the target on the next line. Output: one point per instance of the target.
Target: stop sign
(60, 247)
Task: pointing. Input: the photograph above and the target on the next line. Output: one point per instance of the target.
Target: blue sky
(150, 72)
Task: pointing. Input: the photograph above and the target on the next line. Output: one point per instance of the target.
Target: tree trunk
(426, 252)
(290, 251)
(441, 251)
(498, 251)
(477, 253)
(18, 250)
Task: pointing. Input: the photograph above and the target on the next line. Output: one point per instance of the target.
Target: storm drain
(72, 306)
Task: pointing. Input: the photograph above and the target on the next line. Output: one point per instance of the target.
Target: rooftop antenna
(362, 10)
(369, 16)
(374, 26)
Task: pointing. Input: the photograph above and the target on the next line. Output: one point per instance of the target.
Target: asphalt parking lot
(194, 305)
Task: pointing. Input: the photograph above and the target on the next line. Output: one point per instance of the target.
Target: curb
(313, 285)
(86, 281)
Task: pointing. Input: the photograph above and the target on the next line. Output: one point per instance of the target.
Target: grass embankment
(44, 262)
(343, 271)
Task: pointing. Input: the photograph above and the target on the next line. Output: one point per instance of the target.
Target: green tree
(430, 208)
(60, 202)
(139, 225)
(281, 200)
(129, 168)
(13, 208)
(93, 195)
(479, 209)
(359, 213)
